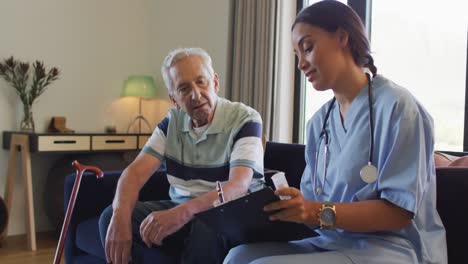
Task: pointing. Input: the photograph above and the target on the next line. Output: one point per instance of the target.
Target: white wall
(96, 45)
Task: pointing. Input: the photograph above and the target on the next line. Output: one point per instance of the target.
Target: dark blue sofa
(83, 243)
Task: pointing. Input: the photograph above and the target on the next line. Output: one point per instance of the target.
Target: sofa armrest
(452, 194)
(93, 196)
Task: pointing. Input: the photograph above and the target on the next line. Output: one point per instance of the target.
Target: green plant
(16, 73)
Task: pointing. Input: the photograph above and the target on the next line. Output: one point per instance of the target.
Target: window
(422, 46)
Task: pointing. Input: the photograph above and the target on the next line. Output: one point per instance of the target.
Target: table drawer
(114, 142)
(63, 143)
(142, 141)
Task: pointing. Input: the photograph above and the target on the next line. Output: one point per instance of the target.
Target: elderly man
(203, 139)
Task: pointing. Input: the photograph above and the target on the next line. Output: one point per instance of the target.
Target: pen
(220, 191)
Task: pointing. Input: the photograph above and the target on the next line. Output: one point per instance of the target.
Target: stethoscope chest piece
(369, 173)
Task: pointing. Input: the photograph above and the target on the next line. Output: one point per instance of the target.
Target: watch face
(327, 216)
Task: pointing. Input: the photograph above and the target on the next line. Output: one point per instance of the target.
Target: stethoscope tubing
(324, 134)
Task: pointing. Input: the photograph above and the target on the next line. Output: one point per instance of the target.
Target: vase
(27, 122)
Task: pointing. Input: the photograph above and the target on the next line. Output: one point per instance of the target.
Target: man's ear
(174, 102)
(343, 37)
(216, 82)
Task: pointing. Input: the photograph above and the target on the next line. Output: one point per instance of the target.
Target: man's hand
(297, 209)
(119, 240)
(160, 224)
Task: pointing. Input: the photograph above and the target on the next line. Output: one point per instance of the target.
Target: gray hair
(176, 55)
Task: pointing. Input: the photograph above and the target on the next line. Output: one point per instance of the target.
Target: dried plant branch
(16, 74)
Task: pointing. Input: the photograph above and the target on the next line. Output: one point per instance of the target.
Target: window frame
(363, 9)
(298, 104)
(465, 134)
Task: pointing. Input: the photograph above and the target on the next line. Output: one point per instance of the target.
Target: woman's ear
(343, 37)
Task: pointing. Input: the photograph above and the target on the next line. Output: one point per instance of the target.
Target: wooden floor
(14, 250)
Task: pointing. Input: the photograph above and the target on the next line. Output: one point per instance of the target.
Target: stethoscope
(368, 172)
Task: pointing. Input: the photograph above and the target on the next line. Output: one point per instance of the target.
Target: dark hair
(331, 15)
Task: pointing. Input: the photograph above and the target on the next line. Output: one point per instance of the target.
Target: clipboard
(243, 220)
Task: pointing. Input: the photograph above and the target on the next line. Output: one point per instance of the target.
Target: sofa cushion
(459, 162)
(88, 239)
(288, 158)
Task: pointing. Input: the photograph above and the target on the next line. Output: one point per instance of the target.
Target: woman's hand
(297, 209)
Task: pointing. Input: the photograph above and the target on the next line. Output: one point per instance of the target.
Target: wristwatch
(327, 215)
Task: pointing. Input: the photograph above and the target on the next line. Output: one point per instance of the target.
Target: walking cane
(80, 169)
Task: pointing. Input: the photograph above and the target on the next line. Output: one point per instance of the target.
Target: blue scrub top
(403, 155)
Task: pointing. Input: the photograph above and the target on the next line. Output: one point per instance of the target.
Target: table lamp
(141, 86)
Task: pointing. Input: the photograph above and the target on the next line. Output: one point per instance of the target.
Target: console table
(25, 143)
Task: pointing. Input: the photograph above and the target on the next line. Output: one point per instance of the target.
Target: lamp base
(139, 118)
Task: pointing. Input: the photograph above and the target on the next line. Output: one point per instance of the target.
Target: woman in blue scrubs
(370, 179)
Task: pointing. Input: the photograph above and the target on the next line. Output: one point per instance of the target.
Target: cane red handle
(80, 169)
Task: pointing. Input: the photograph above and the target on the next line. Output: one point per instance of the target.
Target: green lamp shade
(139, 86)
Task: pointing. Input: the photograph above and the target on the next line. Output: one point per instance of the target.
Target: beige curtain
(252, 75)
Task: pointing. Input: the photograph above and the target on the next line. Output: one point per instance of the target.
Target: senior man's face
(194, 89)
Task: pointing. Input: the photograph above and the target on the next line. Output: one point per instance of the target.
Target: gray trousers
(304, 252)
(194, 243)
